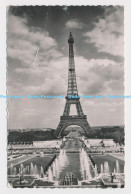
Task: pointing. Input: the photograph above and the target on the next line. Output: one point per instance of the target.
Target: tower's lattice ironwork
(80, 119)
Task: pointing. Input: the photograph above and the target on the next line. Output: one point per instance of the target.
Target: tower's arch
(69, 127)
(72, 120)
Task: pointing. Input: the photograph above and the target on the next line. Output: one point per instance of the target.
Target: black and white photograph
(65, 96)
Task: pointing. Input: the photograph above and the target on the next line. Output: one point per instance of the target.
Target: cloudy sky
(37, 57)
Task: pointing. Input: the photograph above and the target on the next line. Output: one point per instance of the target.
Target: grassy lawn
(121, 156)
(101, 159)
(37, 161)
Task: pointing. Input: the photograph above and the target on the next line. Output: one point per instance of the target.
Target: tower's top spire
(71, 39)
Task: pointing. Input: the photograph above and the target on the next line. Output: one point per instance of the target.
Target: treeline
(115, 133)
(29, 136)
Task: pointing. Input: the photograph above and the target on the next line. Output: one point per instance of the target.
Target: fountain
(62, 159)
(56, 167)
(117, 167)
(56, 164)
(112, 179)
(85, 165)
(14, 171)
(36, 170)
(102, 170)
(28, 168)
(11, 169)
(41, 172)
(85, 174)
(82, 165)
(61, 152)
(21, 167)
(50, 175)
(31, 168)
(106, 167)
(54, 170)
(95, 169)
(64, 151)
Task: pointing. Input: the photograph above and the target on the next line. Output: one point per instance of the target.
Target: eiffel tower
(67, 120)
